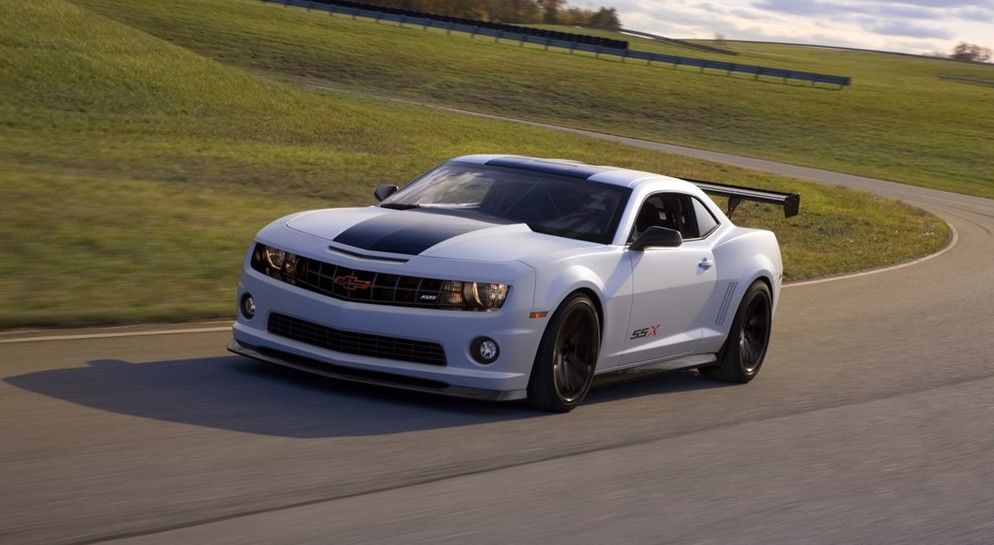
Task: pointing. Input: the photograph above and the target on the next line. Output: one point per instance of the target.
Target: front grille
(349, 342)
(364, 286)
(372, 287)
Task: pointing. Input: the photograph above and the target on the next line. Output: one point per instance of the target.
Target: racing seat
(674, 214)
(647, 217)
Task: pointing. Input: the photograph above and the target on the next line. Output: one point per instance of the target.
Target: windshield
(549, 203)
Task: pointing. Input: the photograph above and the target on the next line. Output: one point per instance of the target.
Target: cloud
(908, 30)
(913, 26)
(979, 15)
(967, 10)
(845, 9)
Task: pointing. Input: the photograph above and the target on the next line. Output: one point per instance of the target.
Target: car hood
(428, 233)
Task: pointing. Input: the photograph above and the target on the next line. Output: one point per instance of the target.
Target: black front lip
(368, 377)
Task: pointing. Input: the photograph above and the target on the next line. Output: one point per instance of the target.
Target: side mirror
(657, 236)
(383, 191)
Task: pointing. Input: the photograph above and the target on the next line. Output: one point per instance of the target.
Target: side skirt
(654, 368)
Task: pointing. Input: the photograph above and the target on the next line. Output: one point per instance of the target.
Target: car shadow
(612, 388)
(239, 394)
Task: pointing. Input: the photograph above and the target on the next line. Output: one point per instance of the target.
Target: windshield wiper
(399, 206)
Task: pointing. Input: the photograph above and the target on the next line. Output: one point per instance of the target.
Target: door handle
(705, 263)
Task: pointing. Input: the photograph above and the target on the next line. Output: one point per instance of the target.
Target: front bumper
(454, 331)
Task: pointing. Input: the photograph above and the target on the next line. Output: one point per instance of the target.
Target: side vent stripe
(725, 303)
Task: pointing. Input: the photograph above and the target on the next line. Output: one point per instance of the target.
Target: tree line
(552, 12)
(971, 52)
(966, 52)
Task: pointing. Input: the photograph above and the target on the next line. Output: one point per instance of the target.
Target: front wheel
(742, 354)
(567, 356)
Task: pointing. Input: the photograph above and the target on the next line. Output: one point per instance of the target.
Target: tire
(567, 356)
(742, 354)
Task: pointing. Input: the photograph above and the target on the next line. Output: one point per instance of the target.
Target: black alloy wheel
(567, 356)
(745, 348)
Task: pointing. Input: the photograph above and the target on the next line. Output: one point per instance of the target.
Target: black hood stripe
(562, 168)
(407, 231)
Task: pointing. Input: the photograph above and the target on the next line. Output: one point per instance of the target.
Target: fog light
(484, 350)
(248, 306)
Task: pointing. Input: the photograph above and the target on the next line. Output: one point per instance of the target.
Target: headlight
(278, 258)
(472, 295)
(276, 263)
(484, 295)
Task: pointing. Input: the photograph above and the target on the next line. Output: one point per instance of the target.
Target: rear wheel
(742, 354)
(567, 356)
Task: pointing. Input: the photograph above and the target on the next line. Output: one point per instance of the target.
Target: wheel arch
(595, 299)
(755, 255)
(551, 290)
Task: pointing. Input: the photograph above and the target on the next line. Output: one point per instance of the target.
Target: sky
(902, 26)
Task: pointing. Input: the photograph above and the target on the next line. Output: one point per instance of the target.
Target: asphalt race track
(872, 422)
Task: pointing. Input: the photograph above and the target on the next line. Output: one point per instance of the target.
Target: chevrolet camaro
(506, 277)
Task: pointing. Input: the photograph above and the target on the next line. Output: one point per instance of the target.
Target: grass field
(898, 120)
(143, 143)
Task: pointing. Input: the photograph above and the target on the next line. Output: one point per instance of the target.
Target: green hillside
(898, 121)
(143, 144)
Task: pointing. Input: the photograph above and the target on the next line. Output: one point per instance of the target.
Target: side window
(649, 215)
(705, 221)
(675, 211)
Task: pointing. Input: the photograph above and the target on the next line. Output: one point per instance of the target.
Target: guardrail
(974, 81)
(563, 40)
(748, 69)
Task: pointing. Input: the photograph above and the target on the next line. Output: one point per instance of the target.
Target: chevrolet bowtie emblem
(352, 283)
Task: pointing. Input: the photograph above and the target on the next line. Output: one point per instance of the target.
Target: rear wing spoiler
(791, 202)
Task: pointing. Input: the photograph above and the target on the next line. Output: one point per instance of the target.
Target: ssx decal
(650, 331)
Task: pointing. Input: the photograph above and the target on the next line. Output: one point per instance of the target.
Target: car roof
(575, 169)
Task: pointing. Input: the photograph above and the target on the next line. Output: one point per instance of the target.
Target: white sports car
(507, 277)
